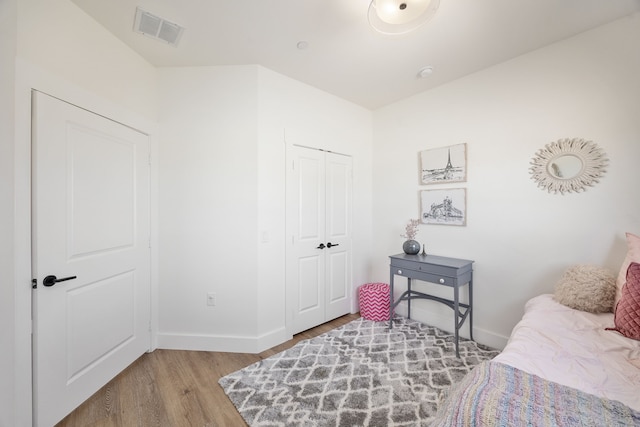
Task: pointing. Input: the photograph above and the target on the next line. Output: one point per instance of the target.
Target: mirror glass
(565, 167)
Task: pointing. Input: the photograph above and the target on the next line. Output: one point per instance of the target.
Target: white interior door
(90, 224)
(319, 236)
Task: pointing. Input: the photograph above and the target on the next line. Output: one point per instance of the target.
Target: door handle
(52, 280)
(321, 246)
(332, 244)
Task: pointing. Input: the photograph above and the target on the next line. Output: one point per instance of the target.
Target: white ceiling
(345, 56)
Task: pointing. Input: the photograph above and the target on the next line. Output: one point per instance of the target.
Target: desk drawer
(436, 269)
(426, 277)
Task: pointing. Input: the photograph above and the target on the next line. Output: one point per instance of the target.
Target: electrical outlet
(211, 299)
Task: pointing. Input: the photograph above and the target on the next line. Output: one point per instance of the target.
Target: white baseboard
(243, 344)
(223, 343)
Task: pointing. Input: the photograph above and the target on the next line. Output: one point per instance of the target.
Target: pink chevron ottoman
(375, 301)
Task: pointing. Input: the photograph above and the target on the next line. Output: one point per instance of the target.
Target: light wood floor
(176, 388)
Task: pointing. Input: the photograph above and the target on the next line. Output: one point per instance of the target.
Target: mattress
(572, 348)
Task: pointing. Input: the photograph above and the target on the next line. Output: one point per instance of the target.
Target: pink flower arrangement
(411, 229)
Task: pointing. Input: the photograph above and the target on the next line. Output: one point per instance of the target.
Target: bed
(560, 367)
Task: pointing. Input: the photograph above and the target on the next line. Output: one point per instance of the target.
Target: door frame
(294, 139)
(28, 78)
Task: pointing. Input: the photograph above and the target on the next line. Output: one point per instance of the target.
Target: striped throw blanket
(494, 394)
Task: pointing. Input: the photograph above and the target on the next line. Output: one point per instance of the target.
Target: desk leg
(391, 301)
(456, 307)
(409, 298)
(471, 307)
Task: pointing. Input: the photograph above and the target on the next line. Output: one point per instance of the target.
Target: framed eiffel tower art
(444, 164)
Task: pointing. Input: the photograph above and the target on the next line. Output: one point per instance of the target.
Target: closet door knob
(332, 244)
(321, 246)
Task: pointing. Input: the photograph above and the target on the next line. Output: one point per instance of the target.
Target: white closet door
(337, 235)
(91, 233)
(318, 237)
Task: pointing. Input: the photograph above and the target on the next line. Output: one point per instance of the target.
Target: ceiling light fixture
(400, 16)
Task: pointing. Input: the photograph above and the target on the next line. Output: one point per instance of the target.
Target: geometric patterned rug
(359, 374)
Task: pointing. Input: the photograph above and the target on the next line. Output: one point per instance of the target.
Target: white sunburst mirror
(568, 165)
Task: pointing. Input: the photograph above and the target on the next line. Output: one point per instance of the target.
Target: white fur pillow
(587, 288)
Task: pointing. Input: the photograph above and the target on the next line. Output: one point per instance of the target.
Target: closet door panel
(318, 223)
(338, 235)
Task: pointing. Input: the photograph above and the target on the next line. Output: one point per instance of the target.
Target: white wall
(64, 52)
(59, 37)
(218, 166)
(208, 205)
(322, 121)
(521, 237)
(8, 16)
(222, 188)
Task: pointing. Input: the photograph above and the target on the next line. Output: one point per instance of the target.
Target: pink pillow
(633, 255)
(627, 317)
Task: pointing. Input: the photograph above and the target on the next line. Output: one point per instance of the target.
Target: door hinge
(34, 283)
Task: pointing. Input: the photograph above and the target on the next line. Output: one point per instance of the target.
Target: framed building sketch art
(446, 207)
(444, 164)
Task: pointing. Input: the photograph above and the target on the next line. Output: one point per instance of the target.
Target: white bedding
(572, 348)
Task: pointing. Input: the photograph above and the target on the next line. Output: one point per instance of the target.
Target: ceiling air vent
(157, 28)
